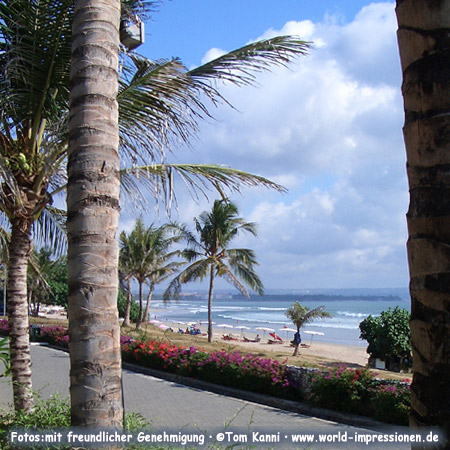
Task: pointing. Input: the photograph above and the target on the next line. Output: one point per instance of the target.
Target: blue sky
(328, 128)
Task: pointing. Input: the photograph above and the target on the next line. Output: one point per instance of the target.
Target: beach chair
(276, 339)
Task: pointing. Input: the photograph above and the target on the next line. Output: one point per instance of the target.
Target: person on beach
(296, 342)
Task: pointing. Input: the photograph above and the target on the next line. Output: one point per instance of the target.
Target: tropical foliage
(210, 254)
(388, 334)
(302, 315)
(47, 280)
(159, 102)
(357, 392)
(247, 372)
(145, 256)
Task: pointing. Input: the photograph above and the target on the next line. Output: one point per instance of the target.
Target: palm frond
(158, 105)
(245, 272)
(196, 271)
(241, 66)
(36, 41)
(50, 230)
(222, 270)
(190, 255)
(198, 178)
(241, 256)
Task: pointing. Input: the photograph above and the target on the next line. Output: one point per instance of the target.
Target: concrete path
(173, 407)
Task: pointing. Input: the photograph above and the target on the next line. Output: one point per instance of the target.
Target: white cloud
(328, 128)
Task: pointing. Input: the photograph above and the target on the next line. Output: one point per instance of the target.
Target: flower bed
(357, 391)
(247, 372)
(341, 388)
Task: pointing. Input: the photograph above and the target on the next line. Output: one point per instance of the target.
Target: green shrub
(388, 335)
(391, 404)
(342, 389)
(48, 414)
(357, 392)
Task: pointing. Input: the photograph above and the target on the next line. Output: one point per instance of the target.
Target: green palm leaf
(241, 66)
(159, 180)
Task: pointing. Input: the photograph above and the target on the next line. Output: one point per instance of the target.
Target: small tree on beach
(302, 315)
(211, 255)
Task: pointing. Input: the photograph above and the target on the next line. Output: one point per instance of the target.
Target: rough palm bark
(20, 248)
(424, 43)
(93, 213)
(210, 299)
(149, 299)
(126, 320)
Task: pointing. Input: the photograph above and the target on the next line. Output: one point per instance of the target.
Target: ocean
(269, 312)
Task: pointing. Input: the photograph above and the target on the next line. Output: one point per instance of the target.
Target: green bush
(342, 389)
(48, 414)
(388, 335)
(357, 392)
(55, 414)
(391, 404)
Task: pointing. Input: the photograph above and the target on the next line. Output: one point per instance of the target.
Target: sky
(328, 128)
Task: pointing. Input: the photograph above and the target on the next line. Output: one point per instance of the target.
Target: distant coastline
(323, 297)
(291, 297)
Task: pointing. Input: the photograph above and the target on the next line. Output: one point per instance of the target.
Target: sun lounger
(229, 337)
(252, 340)
(276, 339)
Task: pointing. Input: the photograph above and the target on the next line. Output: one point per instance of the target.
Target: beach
(322, 353)
(237, 316)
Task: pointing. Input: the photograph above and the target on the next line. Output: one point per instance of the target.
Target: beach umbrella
(242, 328)
(224, 325)
(312, 333)
(264, 329)
(163, 327)
(287, 330)
(155, 322)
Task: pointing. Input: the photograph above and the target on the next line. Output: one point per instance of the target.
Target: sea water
(270, 312)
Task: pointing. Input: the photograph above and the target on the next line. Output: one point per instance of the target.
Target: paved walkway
(171, 406)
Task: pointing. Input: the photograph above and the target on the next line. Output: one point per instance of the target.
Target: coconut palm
(423, 42)
(211, 255)
(302, 315)
(126, 279)
(158, 102)
(145, 252)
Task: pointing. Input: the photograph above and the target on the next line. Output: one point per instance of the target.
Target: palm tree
(34, 67)
(93, 216)
(157, 102)
(145, 253)
(211, 256)
(302, 315)
(126, 279)
(424, 53)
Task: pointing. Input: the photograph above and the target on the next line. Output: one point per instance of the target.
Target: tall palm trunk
(210, 298)
(126, 319)
(93, 214)
(20, 248)
(149, 299)
(141, 306)
(424, 43)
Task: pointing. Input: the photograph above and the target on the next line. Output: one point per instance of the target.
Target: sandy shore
(320, 351)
